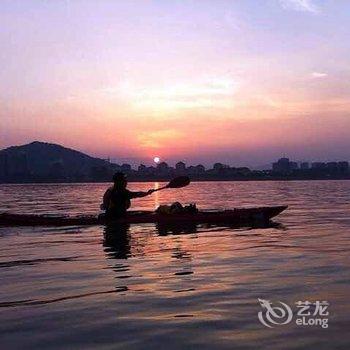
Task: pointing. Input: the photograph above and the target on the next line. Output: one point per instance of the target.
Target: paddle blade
(180, 181)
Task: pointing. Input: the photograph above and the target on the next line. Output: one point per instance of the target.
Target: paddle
(177, 182)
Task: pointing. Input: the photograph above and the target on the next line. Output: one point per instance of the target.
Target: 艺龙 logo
(274, 315)
(308, 313)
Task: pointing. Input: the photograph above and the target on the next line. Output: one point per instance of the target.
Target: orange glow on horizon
(215, 86)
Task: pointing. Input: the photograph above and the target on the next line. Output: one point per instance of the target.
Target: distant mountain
(46, 161)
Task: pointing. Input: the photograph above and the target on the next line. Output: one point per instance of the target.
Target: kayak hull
(234, 216)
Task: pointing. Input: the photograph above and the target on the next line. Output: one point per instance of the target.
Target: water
(195, 287)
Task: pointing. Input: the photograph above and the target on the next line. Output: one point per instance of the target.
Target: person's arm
(106, 199)
(140, 194)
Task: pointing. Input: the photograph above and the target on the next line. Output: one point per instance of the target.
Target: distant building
(218, 166)
(200, 169)
(180, 168)
(163, 169)
(318, 165)
(243, 171)
(282, 165)
(195, 170)
(332, 166)
(293, 165)
(162, 166)
(142, 169)
(304, 166)
(343, 167)
(191, 170)
(151, 170)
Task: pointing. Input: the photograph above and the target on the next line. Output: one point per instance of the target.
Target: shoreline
(167, 179)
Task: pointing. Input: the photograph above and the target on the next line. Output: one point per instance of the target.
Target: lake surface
(140, 287)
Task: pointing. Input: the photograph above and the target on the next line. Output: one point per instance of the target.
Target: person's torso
(119, 200)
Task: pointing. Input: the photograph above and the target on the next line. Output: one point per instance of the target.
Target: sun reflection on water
(156, 195)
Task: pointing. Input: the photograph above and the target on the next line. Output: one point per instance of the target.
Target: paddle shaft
(177, 182)
(160, 188)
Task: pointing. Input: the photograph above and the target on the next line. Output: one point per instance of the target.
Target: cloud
(318, 75)
(158, 138)
(211, 93)
(300, 5)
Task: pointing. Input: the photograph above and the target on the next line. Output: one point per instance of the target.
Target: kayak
(233, 216)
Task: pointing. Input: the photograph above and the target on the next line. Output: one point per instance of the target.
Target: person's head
(120, 180)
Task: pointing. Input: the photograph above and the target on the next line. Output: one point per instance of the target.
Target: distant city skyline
(149, 162)
(136, 162)
(243, 82)
(47, 162)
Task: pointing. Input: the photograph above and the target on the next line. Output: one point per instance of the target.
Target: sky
(240, 82)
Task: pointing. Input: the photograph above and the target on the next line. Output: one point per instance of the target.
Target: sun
(156, 159)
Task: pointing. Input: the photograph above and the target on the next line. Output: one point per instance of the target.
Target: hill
(41, 161)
